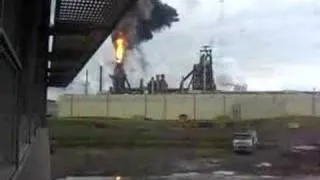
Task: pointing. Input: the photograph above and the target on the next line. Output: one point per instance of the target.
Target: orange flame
(120, 48)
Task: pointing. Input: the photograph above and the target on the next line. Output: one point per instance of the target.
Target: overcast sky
(269, 44)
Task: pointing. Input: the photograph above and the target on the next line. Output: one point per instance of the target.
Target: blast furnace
(119, 80)
(202, 73)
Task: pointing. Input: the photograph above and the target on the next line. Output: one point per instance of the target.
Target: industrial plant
(200, 95)
(200, 78)
(196, 96)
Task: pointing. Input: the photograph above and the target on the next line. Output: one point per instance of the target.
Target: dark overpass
(29, 65)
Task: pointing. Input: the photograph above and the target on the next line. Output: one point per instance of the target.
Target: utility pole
(86, 84)
(204, 74)
(100, 78)
(313, 102)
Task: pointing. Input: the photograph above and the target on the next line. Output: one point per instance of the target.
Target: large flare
(140, 24)
(120, 47)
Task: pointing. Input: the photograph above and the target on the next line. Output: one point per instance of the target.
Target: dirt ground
(154, 161)
(275, 155)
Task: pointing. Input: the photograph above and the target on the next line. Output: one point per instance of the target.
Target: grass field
(95, 132)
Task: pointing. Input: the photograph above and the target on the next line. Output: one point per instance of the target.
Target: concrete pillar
(28, 90)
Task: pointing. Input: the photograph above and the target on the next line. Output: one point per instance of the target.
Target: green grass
(130, 133)
(103, 133)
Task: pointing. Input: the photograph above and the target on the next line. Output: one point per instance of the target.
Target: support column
(23, 49)
(33, 77)
(43, 56)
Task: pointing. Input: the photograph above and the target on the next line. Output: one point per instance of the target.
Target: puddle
(224, 173)
(195, 165)
(185, 175)
(263, 165)
(90, 178)
(305, 148)
(269, 177)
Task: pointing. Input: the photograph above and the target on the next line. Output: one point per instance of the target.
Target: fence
(196, 106)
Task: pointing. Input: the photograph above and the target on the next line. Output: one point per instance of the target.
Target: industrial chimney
(100, 78)
(86, 84)
(141, 85)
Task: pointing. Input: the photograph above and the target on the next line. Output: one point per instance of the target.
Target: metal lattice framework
(85, 11)
(80, 28)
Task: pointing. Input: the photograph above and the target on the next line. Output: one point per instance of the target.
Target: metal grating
(83, 11)
(81, 26)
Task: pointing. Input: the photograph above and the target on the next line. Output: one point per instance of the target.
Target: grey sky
(269, 44)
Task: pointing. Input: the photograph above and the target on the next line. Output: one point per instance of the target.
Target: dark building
(151, 85)
(119, 80)
(29, 64)
(159, 85)
(163, 84)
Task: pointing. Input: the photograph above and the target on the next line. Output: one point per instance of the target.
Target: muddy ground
(160, 162)
(209, 151)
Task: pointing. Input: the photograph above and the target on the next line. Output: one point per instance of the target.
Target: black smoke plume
(162, 16)
(142, 22)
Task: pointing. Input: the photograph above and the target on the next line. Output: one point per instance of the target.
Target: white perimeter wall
(196, 106)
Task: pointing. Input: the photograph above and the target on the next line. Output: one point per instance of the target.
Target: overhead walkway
(80, 28)
(29, 64)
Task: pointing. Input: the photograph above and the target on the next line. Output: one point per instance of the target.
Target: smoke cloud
(142, 58)
(228, 75)
(140, 24)
(162, 15)
(226, 81)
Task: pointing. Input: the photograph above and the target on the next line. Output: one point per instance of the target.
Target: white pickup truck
(245, 141)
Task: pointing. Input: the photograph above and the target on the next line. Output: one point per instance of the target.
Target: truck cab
(245, 141)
